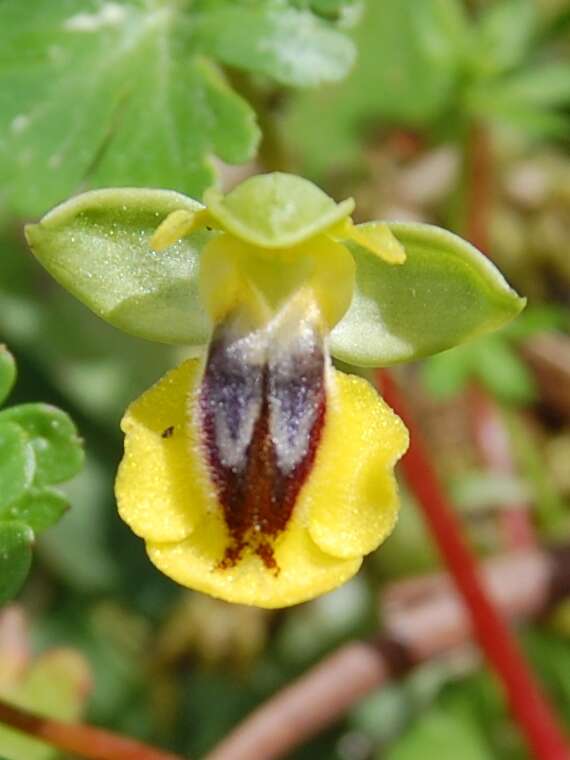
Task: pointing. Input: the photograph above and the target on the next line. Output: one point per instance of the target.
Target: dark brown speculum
(262, 405)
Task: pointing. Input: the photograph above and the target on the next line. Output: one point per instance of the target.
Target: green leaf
(408, 63)
(17, 462)
(96, 245)
(503, 373)
(527, 99)
(444, 294)
(39, 508)
(538, 319)
(139, 104)
(446, 374)
(444, 735)
(53, 437)
(545, 85)
(345, 11)
(506, 30)
(137, 87)
(15, 557)
(7, 372)
(491, 360)
(292, 46)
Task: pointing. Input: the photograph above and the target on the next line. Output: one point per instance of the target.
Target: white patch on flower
(233, 440)
(296, 371)
(110, 14)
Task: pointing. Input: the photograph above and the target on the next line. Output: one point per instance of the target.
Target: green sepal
(16, 541)
(276, 210)
(17, 463)
(52, 435)
(7, 373)
(38, 508)
(97, 246)
(444, 294)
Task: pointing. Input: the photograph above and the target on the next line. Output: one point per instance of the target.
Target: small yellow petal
(350, 497)
(378, 238)
(177, 225)
(161, 489)
(305, 572)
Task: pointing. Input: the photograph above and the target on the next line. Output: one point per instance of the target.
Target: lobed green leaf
(16, 541)
(97, 246)
(38, 508)
(444, 294)
(138, 89)
(292, 46)
(17, 462)
(53, 437)
(7, 373)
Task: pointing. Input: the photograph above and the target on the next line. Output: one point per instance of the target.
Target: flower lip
(346, 508)
(261, 410)
(276, 210)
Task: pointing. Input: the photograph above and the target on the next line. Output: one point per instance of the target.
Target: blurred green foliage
(103, 112)
(493, 360)
(431, 65)
(139, 88)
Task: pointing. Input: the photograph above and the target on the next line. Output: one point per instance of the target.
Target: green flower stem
(79, 739)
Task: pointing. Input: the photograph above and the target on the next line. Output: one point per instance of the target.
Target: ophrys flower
(257, 472)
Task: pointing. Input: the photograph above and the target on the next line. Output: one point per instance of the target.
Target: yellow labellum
(345, 509)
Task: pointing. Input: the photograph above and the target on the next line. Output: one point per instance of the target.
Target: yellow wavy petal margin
(347, 507)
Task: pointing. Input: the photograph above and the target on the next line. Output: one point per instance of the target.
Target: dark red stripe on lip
(262, 405)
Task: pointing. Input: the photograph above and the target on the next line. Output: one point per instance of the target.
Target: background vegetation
(448, 111)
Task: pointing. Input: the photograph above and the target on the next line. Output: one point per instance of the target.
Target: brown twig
(549, 356)
(424, 617)
(479, 184)
(79, 739)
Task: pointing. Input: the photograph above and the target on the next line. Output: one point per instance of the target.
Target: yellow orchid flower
(260, 474)
(257, 472)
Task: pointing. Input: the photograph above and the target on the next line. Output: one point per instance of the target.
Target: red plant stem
(527, 702)
(79, 739)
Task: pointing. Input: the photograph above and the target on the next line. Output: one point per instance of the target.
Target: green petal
(15, 557)
(97, 246)
(276, 210)
(444, 294)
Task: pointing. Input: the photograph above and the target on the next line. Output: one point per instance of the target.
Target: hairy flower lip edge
(249, 588)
